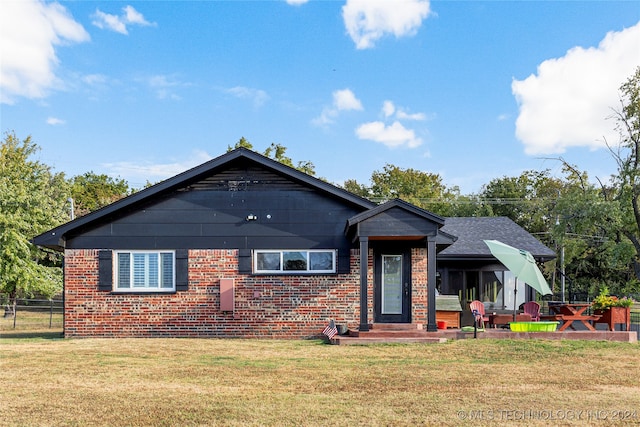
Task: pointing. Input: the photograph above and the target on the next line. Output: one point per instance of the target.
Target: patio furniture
(477, 308)
(532, 308)
(569, 313)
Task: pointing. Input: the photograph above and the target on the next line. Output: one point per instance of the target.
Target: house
(244, 246)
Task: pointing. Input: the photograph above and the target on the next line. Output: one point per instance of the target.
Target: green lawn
(166, 382)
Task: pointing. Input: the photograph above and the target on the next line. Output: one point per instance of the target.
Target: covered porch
(398, 243)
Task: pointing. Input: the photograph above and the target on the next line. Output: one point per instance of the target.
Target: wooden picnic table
(569, 313)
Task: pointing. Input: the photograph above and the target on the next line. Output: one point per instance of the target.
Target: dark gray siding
(218, 219)
(396, 222)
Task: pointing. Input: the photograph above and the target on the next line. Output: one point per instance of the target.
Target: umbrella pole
(515, 299)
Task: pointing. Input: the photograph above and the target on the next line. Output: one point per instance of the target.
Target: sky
(469, 90)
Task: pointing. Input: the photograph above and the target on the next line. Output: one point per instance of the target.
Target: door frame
(405, 316)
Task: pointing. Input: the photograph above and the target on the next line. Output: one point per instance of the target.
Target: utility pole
(72, 213)
(561, 261)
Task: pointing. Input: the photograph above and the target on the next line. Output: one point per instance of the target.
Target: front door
(392, 287)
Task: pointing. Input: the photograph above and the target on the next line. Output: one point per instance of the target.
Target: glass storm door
(393, 290)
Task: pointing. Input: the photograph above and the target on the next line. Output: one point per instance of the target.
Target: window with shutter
(145, 271)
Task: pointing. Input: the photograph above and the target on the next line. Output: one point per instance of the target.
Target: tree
(32, 200)
(587, 231)
(528, 199)
(277, 153)
(626, 185)
(242, 143)
(423, 189)
(91, 191)
(356, 188)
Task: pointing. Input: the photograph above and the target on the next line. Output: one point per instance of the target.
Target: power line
(487, 201)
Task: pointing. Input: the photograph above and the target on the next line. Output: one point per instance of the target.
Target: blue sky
(472, 90)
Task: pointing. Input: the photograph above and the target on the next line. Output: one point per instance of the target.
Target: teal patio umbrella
(522, 264)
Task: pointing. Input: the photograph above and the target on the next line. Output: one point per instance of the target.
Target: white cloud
(367, 21)
(30, 31)
(403, 115)
(343, 100)
(395, 135)
(137, 174)
(95, 79)
(566, 104)
(389, 110)
(257, 96)
(54, 121)
(296, 2)
(132, 16)
(164, 86)
(119, 23)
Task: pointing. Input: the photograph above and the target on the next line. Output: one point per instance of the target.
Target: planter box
(614, 316)
(533, 326)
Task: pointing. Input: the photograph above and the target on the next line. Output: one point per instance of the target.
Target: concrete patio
(412, 333)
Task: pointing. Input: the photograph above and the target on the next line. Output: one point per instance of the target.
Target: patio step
(389, 333)
(365, 340)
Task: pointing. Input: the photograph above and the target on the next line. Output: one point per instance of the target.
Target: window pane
(391, 284)
(491, 290)
(295, 261)
(153, 272)
(510, 282)
(139, 261)
(124, 271)
(167, 269)
(268, 261)
(321, 261)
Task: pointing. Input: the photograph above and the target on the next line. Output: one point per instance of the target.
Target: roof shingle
(471, 231)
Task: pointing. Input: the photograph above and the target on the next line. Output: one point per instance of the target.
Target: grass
(32, 321)
(47, 380)
(50, 381)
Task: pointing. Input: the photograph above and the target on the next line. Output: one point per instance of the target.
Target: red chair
(532, 308)
(477, 309)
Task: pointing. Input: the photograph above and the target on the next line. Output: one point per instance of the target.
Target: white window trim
(131, 288)
(282, 271)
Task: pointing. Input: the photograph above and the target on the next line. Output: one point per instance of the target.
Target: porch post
(364, 267)
(431, 284)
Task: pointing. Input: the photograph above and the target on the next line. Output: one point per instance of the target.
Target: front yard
(143, 382)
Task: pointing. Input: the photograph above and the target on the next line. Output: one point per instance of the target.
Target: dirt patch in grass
(142, 382)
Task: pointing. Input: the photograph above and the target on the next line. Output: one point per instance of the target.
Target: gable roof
(54, 238)
(392, 204)
(471, 231)
(399, 219)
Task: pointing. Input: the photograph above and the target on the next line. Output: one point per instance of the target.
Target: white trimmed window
(145, 271)
(294, 261)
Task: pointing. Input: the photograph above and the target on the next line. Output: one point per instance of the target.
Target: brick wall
(419, 295)
(265, 306)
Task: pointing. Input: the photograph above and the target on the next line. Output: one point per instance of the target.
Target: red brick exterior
(265, 306)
